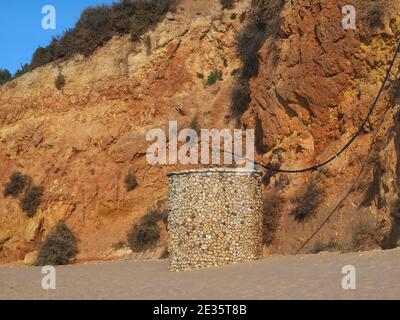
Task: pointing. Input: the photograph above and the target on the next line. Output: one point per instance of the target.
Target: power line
(347, 145)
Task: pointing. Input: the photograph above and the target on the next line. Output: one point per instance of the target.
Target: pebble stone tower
(215, 217)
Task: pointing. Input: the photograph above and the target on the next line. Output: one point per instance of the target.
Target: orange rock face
(313, 88)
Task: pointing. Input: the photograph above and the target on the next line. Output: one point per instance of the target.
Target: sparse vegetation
(143, 236)
(248, 43)
(213, 77)
(59, 247)
(365, 236)
(97, 25)
(147, 14)
(17, 183)
(228, 4)
(59, 82)
(31, 200)
(272, 208)
(5, 76)
(130, 182)
(307, 203)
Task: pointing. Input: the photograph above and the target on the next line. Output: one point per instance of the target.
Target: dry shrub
(31, 201)
(99, 24)
(59, 248)
(5, 76)
(59, 82)
(147, 14)
(375, 16)
(130, 182)
(365, 236)
(17, 183)
(249, 41)
(240, 99)
(143, 237)
(146, 234)
(307, 204)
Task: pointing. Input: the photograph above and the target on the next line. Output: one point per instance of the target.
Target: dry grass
(365, 236)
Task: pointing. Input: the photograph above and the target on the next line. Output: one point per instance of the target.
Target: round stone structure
(215, 217)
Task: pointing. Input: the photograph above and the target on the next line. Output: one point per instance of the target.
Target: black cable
(350, 190)
(347, 145)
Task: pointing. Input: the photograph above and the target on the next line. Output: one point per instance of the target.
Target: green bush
(213, 77)
(308, 202)
(5, 76)
(59, 247)
(31, 200)
(130, 182)
(59, 82)
(227, 4)
(17, 183)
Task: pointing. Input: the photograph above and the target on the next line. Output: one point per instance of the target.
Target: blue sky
(21, 26)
